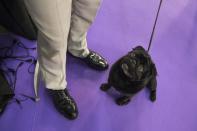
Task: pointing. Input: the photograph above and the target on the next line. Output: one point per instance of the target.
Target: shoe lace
(95, 57)
(66, 96)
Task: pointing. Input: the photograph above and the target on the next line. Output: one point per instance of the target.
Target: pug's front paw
(123, 100)
(153, 96)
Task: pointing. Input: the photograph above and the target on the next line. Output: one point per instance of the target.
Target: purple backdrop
(119, 26)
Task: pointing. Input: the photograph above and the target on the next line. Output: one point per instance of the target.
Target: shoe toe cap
(73, 115)
(70, 112)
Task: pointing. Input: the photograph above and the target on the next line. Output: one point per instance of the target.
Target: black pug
(131, 73)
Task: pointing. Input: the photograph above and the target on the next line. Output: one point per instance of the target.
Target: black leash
(155, 23)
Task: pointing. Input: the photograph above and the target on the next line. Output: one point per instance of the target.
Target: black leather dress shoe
(64, 103)
(96, 61)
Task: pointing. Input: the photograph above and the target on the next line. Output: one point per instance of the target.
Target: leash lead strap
(155, 23)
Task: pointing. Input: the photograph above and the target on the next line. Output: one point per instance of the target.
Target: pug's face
(136, 64)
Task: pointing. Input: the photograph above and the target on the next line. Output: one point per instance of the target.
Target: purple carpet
(121, 25)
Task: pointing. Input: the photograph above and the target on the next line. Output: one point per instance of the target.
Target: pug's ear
(125, 69)
(139, 48)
